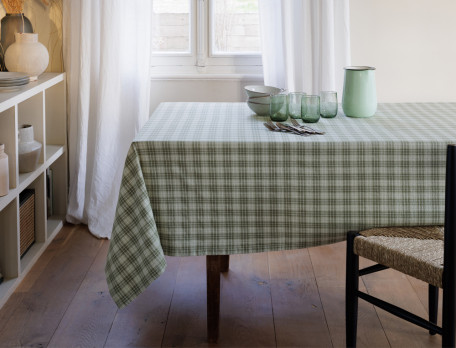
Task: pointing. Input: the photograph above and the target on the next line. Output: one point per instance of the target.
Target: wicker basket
(27, 220)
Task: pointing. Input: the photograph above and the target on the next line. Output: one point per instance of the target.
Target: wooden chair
(420, 252)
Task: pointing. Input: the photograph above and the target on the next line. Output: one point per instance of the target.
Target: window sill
(207, 73)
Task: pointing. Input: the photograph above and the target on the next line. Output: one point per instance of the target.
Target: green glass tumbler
(294, 104)
(278, 108)
(310, 108)
(328, 104)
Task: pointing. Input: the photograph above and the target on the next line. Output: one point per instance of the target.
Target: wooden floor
(275, 299)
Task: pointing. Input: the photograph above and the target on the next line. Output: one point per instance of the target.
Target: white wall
(199, 90)
(412, 43)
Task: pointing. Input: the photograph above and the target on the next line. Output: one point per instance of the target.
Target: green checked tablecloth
(210, 179)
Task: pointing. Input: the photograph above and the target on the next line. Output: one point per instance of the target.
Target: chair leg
(433, 303)
(448, 317)
(351, 292)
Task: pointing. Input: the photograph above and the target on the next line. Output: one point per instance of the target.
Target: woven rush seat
(415, 251)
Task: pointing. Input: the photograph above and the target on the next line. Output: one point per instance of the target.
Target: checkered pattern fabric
(210, 179)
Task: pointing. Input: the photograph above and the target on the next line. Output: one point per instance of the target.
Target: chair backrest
(449, 253)
(450, 206)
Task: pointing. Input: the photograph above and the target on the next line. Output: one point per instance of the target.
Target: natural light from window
(171, 26)
(235, 26)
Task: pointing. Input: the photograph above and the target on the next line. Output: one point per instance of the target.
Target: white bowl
(260, 100)
(259, 108)
(262, 91)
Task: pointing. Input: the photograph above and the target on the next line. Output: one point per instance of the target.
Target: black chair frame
(353, 273)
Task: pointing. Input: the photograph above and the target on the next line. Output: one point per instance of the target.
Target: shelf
(54, 225)
(46, 80)
(5, 200)
(8, 131)
(41, 104)
(53, 152)
(6, 289)
(31, 256)
(9, 239)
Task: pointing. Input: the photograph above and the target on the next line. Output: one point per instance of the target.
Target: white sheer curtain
(107, 60)
(305, 44)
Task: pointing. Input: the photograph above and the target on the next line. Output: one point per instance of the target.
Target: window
(218, 36)
(171, 22)
(234, 27)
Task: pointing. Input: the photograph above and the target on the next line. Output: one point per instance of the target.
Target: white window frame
(201, 59)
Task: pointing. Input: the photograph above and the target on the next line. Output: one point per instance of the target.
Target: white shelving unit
(42, 104)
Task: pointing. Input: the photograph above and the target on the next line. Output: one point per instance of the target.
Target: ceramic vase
(12, 23)
(27, 55)
(4, 173)
(29, 149)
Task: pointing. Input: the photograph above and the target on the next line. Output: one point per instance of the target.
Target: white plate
(15, 83)
(9, 75)
(18, 79)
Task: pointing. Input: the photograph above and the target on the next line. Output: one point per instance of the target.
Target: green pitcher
(359, 98)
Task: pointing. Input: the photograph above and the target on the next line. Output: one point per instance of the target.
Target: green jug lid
(359, 68)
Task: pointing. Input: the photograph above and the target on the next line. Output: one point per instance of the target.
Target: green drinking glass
(328, 104)
(278, 108)
(310, 108)
(294, 104)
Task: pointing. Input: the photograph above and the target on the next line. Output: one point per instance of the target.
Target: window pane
(235, 26)
(171, 26)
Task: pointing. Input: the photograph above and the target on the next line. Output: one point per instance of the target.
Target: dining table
(208, 178)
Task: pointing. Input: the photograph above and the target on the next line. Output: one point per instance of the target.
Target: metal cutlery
(296, 128)
(309, 129)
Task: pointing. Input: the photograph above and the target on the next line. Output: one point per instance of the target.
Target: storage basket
(27, 219)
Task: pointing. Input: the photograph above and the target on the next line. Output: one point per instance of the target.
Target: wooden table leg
(213, 296)
(224, 263)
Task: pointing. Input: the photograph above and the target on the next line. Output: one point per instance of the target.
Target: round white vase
(27, 55)
(29, 149)
(4, 173)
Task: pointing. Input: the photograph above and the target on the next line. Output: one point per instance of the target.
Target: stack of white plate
(11, 81)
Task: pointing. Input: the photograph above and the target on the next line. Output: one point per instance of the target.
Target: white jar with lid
(4, 173)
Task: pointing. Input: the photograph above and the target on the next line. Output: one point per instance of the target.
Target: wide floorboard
(275, 299)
